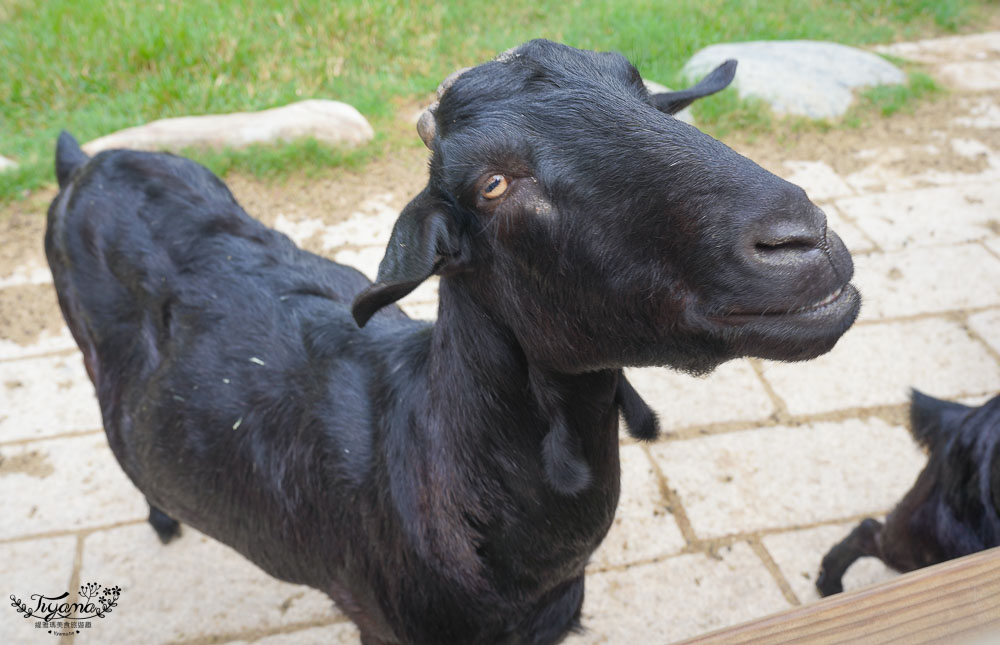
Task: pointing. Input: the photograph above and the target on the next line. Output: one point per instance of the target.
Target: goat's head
(606, 233)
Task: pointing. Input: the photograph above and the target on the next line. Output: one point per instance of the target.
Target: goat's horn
(506, 56)
(426, 127)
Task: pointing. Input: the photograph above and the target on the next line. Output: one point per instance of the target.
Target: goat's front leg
(862, 541)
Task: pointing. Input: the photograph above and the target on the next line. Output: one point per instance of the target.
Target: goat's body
(953, 508)
(444, 483)
(235, 386)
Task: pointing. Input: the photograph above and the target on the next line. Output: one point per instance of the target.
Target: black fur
(953, 508)
(443, 483)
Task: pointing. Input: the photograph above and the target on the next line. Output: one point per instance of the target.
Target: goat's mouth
(841, 301)
(793, 334)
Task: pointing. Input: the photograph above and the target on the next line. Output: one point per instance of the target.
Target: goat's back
(226, 361)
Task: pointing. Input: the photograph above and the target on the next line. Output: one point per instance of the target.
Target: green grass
(94, 67)
(278, 162)
(726, 113)
(889, 99)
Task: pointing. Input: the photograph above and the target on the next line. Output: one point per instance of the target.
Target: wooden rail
(954, 602)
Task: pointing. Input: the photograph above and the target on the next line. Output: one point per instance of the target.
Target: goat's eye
(495, 186)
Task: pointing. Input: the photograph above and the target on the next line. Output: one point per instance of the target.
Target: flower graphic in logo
(57, 615)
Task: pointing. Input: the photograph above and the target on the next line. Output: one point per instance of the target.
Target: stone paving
(763, 467)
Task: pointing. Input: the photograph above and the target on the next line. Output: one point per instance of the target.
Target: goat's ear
(932, 419)
(718, 80)
(69, 157)
(422, 243)
(640, 420)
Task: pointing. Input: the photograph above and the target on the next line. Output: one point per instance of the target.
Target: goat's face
(604, 232)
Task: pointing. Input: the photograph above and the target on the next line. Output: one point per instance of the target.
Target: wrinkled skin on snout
(633, 238)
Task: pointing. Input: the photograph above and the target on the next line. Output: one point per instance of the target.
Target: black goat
(953, 508)
(443, 483)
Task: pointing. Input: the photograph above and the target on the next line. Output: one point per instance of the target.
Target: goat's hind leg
(862, 541)
(166, 527)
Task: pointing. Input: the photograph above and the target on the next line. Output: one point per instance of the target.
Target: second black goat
(443, 483)
(953, 508)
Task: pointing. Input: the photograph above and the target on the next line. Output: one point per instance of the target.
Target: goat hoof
(827, 586)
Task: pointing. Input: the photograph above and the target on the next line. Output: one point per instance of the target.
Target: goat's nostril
(794, 229)
(785, 245)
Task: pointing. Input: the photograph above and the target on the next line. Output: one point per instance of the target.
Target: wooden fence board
(948, 603)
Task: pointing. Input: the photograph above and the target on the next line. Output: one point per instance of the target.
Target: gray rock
(7, 164)
(327, 121)
(803, 77)
(684, 115)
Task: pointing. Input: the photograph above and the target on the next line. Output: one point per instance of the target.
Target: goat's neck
(473, 486)
(481, 377)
